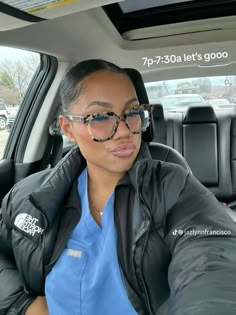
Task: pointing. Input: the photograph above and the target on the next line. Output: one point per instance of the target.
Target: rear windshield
(175, 101)
(217, 91)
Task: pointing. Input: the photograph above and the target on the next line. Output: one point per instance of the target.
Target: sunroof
(137, 5)
(135, 14)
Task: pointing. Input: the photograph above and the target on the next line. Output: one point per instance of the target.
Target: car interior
(154, 41)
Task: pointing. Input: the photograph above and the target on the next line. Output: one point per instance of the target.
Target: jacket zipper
(70, 228)
(53, 261)
(147, 231)
(142, 278)
(42, 264)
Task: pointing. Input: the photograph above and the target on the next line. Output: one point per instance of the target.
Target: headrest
(199, 114)
(139, 86)
(158, 111)
(141, 92)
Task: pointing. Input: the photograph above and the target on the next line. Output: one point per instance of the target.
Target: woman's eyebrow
(110, 105)
(100, 103)
(132, 100)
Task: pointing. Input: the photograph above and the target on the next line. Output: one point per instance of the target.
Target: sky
(12, 53)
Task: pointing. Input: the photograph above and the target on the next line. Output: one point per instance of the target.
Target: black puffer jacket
(166, 223)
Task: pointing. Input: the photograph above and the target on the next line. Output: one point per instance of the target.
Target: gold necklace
(100, 212)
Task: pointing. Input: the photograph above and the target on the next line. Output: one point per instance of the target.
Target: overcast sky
(12, 53)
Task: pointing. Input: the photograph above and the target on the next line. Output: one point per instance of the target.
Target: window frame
(29, 108)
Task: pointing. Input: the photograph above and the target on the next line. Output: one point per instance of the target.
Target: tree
(18, 74)
(204, 85)
(6, 80)
(10, 96)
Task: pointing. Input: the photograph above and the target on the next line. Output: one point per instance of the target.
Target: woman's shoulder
(172, 181)
(169, 170)
(27, 185)
(160, 170)
(48, 178)
(21, 191)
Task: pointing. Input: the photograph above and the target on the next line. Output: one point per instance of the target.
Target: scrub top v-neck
(86, 279)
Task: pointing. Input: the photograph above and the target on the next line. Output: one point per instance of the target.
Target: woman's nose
(122, 130)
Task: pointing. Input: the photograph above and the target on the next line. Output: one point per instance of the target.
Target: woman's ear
(66, 126)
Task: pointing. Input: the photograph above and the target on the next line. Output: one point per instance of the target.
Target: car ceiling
(91, 34)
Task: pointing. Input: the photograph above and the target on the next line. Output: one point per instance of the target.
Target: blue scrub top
(86, 279)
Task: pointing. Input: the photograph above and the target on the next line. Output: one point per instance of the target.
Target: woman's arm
(38, 307)
(202, 239)
(13, 298)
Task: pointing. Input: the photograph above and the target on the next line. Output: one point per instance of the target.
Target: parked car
(10, 120)
(233, 99)
(221, 102)
(3, 114)
(181, 101)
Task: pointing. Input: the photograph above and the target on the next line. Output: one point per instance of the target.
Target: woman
(109, 230)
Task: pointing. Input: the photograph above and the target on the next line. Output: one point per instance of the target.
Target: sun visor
(8, 22)
(19, 13)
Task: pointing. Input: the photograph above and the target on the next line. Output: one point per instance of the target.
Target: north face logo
(27, 223)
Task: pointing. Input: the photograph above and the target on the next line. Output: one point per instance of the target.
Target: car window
(17, 68)
(218, 91)
(2, 106)
(179, 99)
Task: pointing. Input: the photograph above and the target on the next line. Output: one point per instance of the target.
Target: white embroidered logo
(27, 223)
(74, 253)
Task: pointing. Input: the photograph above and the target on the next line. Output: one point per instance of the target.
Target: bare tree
(19, 73)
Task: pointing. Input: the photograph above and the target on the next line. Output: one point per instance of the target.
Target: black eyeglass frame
(88, 118)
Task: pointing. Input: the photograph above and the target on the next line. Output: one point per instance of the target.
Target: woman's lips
(124, 150)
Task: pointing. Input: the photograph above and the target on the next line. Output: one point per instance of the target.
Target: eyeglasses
(103, 126)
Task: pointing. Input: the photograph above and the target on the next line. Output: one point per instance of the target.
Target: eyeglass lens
(103, 126)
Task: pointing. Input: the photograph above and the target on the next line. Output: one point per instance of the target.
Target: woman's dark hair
(71, 87)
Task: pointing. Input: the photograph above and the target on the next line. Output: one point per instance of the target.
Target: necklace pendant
(100, 212)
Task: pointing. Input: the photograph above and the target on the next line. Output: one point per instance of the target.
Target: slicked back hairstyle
(71, 85)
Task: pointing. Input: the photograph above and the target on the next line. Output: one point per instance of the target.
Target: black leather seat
(200, 145)
(206, 139)
(159, 124)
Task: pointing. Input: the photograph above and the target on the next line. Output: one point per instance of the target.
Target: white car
(181, 100)
(220, 102)
(3, 115)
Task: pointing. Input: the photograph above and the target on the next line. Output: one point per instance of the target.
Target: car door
(13, 141)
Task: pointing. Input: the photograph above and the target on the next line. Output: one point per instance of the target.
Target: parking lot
(3, 139)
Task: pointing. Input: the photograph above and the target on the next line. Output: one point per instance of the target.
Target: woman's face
(105, 91)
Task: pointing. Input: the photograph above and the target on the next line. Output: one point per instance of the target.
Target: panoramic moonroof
(137, 5)
(135, 14)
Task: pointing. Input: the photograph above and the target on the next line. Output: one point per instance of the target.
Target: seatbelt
(54, 132)
(47, 156)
